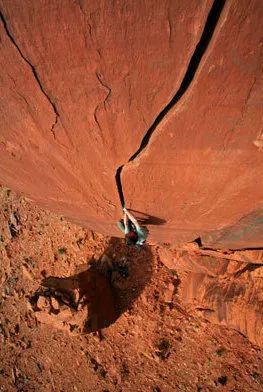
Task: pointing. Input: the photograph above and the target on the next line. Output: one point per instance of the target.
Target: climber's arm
(125, 220)
(131, 217)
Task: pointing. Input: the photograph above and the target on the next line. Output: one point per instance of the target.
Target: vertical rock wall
(83, 83)
(202, 168)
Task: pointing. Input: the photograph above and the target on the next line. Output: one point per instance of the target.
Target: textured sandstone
(79, 94)
(224, 292)
(245, 232)
(169, 256)
(42, 303)
(202, 169)
(83, 81)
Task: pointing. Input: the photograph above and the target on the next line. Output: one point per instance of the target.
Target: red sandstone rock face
(202, 168)
(82, 83)
(247, 231)
(223, 291)
(104, 70)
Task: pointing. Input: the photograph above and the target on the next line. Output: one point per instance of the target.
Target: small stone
(55, 303)
(169, 292)
(65, 315)
(42, 303)
(26, 273)
(76, 294)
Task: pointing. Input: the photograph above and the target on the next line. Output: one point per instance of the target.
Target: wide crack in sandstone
(201, 47)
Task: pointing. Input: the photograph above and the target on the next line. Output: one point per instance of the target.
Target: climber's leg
(121, 226)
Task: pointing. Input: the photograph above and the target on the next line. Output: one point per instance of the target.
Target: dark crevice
(198, 241)
(249, 267)
(34, 71)
(119, 186)
(223, 250)
(200, 49)
(217, 249)
(196, 58)
(104, 85)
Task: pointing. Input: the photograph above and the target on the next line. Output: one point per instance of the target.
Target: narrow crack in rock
(196, 58)
(34, 71)
(96, 118)
(104, 85)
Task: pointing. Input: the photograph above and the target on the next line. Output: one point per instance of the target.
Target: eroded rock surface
(201, 170)
(224, 291)
(82, 81)
(82, 84)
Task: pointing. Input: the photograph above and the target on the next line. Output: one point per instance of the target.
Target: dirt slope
(157, 343)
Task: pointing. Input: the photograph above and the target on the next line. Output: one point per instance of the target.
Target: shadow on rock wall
(98, 293)
(146, 219)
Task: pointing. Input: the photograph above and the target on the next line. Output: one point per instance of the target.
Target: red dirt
(156, 344)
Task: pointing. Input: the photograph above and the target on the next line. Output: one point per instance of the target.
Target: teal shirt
(141, 232)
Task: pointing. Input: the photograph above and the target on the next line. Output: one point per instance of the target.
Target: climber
(134, 234)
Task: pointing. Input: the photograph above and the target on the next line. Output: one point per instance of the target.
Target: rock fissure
(78, 2)
(34, 71)
(119, 185)
(104, 85)
(96, 117)
(193, 65)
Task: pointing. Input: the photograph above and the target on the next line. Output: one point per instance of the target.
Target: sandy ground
(153, 342)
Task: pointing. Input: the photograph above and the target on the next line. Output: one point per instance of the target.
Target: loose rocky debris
(14, 225)
(157, 340)
(85, 302)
